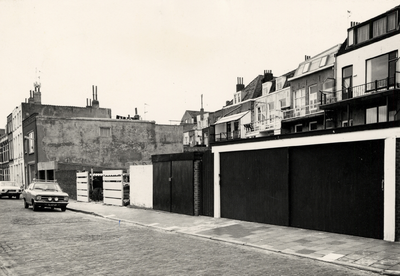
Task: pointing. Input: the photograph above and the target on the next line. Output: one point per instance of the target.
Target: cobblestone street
(51, 242)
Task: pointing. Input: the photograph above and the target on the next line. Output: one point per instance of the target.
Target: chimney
(136, 117)
(201, 109)
(268, 76)
(307, 57)
(239, 85)
(95, 102)
(37, 95)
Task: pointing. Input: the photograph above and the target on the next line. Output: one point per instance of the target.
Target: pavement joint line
(336, 262)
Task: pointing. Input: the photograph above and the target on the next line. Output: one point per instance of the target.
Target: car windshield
(47, 187)
(8, 183)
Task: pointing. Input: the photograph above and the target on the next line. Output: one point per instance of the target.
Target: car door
(28, 194)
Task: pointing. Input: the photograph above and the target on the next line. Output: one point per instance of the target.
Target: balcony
(359, 91)
(226, 136)
(301, 111)
(263, 125)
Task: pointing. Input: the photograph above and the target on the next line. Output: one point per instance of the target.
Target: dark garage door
(337, 188)
(254, 186)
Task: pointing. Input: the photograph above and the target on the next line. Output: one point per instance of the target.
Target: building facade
(16, 137)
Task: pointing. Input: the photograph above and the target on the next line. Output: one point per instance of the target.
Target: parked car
(45, 194)
(10, 189)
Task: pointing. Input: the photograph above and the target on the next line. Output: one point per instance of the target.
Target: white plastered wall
(141, 185)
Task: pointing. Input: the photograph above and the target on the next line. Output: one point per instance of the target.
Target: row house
(232, 120)
(349, 84)
(191, 135)
(313, 75)
(367, 74)
(4, 157)
(267, 115)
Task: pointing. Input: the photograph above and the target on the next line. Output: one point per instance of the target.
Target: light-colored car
(45, 194)
(10, 189)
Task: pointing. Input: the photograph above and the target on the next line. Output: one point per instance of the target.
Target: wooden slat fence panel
(82, 186)
(113, 192)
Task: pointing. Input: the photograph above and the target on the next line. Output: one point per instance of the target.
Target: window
(362, 34)
(306, 67)
(312, 96)
(347, 123)
(282, 102)
(261, 114)
(313, 125)
(379, 27)
(323, 61)
(31, 142)
(350, 40)
(392, 19)
(298, 128)
(380, 69)
(299, 102)
(376, 115)
(105, 131)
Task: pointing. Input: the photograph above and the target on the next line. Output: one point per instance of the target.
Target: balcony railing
(268, 124)
(225, 136)
(359, 90)
(301, 111)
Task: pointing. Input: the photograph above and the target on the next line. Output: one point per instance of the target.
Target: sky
(160, 56)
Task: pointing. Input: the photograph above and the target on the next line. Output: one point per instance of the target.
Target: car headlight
(38, 198)
(50, 199)
(66, 198)
(56, 199)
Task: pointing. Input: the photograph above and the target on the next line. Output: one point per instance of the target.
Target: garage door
(254, 186)
(338, 188)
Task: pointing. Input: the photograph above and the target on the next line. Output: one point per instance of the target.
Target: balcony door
(347, 82)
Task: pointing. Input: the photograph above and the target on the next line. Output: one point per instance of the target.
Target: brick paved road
(68, 243)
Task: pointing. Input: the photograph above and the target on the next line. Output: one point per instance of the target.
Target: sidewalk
(363, 253)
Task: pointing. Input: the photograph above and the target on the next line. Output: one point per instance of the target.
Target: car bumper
(10, 194)
(51, 204)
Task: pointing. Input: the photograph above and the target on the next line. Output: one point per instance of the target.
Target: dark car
(45, 194)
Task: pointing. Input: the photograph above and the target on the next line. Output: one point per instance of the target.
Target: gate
(82, 186)
(174, 183)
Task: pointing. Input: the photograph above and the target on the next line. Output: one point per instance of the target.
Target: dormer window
(323, 61)
(306, 67)
(371, 29)
(362, 34)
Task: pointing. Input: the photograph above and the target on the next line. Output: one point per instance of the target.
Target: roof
(316, 63)
(193, 113)
(231, 118)
(253, 89)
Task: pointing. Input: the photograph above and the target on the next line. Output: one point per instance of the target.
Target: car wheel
(35, 207)
(26, 205)
(9, 196)
(63, 208)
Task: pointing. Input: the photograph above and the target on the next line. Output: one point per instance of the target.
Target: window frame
(313, 123)
(31, 142)
(313, 106)
(102, 133)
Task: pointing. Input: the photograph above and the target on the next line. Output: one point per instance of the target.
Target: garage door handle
(383, 184)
